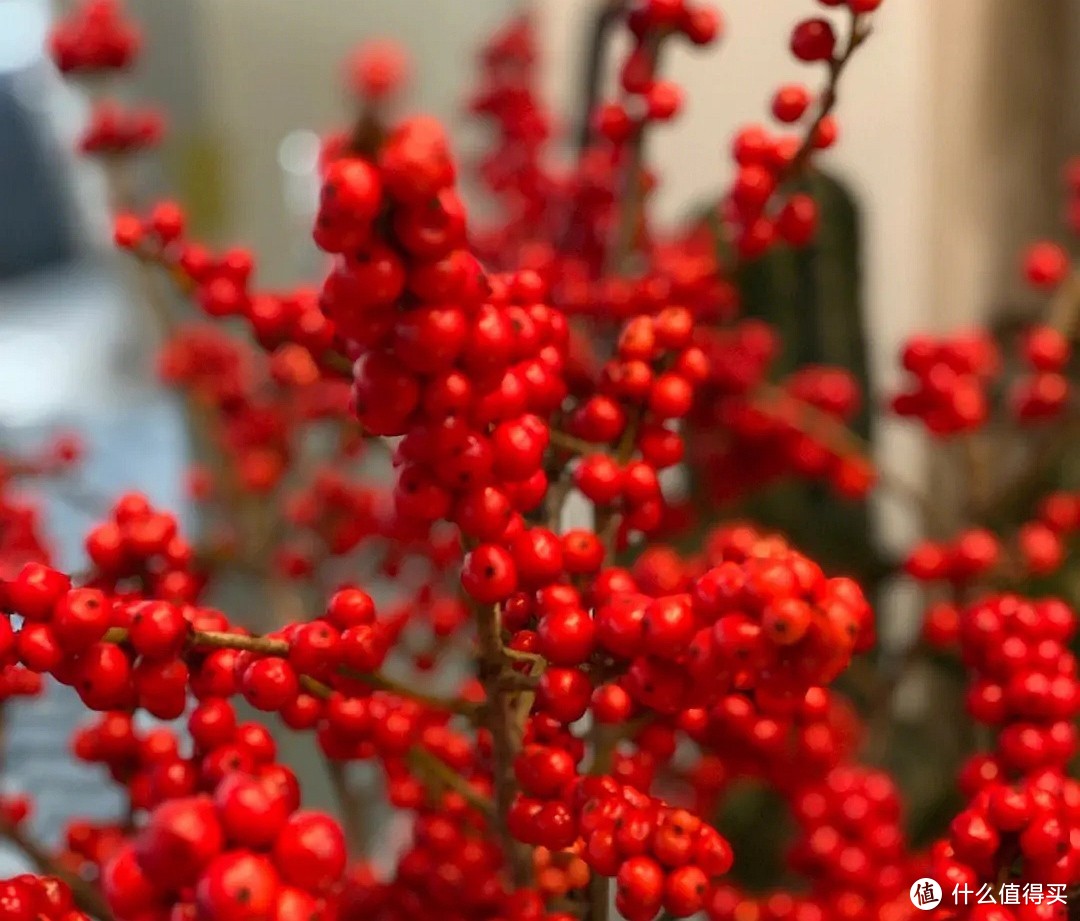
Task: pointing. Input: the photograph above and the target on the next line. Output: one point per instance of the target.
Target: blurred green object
(813, 297)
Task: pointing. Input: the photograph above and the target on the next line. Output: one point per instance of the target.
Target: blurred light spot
(23, 27)
(298, 152)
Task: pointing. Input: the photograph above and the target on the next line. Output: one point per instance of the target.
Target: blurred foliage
(812, 296)
(196, 166)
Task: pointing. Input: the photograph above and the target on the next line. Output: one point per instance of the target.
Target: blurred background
(954, 123)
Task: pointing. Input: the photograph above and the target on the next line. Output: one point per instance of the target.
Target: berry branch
(501, 721)
(485, 371)
(859, 30)
(86, 896)
(605, 19)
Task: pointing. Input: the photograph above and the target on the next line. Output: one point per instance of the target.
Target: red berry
(310, 851)
(813, 40)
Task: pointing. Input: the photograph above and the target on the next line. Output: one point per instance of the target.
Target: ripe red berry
(157, 629)
(488, 574)
(270, 684)
(1045, 265)
(813, 40)
(237, 886)
(790, 102)
(310, 851)
(181, 837)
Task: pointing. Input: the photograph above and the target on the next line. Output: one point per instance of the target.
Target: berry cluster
(971, 555)
(246, 851)
(114, 130)
(618, 693)
(1044, 393)
(464, 365)
(951, 375)
(38, 898)
(96, 36)
(1022, 807)
(797, 428)
(661, 857)
(137, 542)
(646, 97)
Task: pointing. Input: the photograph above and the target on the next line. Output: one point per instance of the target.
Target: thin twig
(435, 772)
(501, 720)
(219, 639)
(858, 32)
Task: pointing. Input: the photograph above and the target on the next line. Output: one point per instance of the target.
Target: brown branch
(1064, 308)
(436, 773)
(502, 722)
(219, 639)
(573, 444)
(604, 739)
(381, 682)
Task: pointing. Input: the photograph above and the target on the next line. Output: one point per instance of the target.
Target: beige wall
(273, 66)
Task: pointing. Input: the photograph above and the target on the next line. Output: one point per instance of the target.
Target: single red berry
(237, 886)
(310, 851)
(488, 574)
(813, 40)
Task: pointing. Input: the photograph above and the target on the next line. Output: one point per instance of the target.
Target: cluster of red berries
(21, 538)
(1043, 542)
(246, 851)
(377, 71)
(851, 841)
(796, 428)
(114, 130)
(758, 220)
(850, 845)
(646, 97)
(971, 555)
(446, 871)
(1025, 677)
(652, 378)
(221, 284)
(1021, 806)
(94, 37)
(38, 898)
(771, 620)
(262, 409)
(786, 747)
(661, 857)
(464, 365)
(513, 170)
(143, 543)
(949, 391)
(1044, 393)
